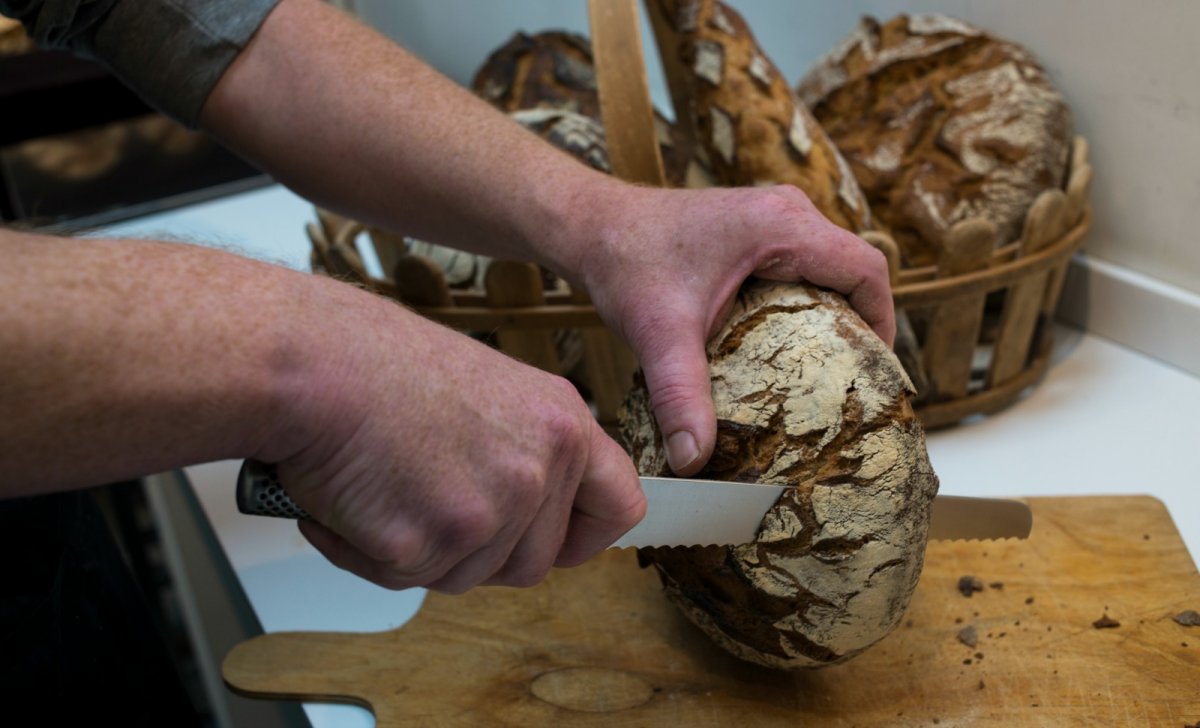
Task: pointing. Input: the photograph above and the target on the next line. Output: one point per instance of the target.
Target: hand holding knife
(691, 512)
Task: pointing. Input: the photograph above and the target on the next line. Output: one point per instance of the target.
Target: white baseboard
(1142, 313)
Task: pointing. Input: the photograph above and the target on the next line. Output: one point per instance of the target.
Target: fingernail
(681, 450)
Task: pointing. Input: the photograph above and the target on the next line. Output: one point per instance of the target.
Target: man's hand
(425, 457)
(440, 462)
(663, 267)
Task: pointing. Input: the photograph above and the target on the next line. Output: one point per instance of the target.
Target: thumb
(676, 371)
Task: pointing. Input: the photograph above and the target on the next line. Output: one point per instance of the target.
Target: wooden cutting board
(600, 646)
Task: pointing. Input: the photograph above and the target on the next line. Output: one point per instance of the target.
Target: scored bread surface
(805, 395)
(748, 119)
(941, 122)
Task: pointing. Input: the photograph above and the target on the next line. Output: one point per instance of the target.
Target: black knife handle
(260, 494)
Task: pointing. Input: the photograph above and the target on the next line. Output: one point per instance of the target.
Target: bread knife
(691, 512)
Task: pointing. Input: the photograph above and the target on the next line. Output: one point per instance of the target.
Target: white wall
(1130, 71)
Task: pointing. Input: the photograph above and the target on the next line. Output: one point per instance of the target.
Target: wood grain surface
(625, 104)
(599, 646)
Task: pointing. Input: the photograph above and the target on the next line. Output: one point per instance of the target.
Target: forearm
(352, 121)
(125, 357)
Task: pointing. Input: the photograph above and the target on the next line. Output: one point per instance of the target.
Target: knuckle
(523, 575)
(785, 201)
(417, 556)
(523, 483)
(400, 547)
(396, 581)
(453, 587)
(634, 508)
(527, 579)
(669, 392)
(872, 257)
(472, 524)
(571, 403)
(528, 572)
(567, 428)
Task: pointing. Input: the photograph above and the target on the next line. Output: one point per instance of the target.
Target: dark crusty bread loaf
(940, 122)
(554, 70)
(749, 120)
(805, 395)
(576, 134)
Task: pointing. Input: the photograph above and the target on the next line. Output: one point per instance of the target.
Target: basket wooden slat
(633, 153)
(1044, 224)
(608, 364)
(516, 285)
(954, 325)
(1000, 277)
(422, 282)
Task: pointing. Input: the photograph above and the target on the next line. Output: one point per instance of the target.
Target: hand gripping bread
(805, 395)
(751, 124)
(940, 122)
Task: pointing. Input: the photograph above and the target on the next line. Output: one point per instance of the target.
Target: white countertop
(1105, 420)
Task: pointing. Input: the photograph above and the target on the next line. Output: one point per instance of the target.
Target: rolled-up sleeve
(171, 52)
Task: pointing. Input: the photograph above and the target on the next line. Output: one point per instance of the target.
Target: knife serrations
(959, 518)
(683, 512)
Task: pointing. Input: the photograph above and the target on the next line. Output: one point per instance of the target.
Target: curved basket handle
(625, 103)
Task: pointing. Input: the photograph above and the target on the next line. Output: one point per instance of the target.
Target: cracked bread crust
(941, 122)
(553, 68)
(805, 395)
(751, 124)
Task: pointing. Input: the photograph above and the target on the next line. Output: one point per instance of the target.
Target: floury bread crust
(748, 119)
(940, 122)
(806, 395)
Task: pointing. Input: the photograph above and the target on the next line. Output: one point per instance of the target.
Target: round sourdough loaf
(940, 122)
(807, 396)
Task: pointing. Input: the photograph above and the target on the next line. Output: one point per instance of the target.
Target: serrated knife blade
(962, 518)
(689, 512)
(692, 512)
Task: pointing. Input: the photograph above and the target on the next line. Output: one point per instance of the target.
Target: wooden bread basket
(513, 310)
(981, 332)
(984, 313)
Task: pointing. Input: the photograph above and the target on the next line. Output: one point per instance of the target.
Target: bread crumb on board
(1106, 622)
(1188, 618)
(968, 585)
